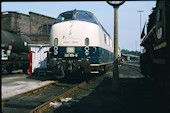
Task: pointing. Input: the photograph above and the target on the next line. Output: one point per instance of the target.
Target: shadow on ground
(48, 76)
(12, 73)
(136, 96)
(72, 79)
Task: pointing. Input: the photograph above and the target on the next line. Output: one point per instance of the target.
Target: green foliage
(125, 51)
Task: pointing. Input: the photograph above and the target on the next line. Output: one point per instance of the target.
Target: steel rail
(41, 88)
(44, 106)
(137, 68)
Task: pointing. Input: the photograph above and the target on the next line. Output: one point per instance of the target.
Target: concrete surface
(136, 95)
(15, 84)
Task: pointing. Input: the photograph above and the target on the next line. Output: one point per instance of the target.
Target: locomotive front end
(70, 44)
(65, 61)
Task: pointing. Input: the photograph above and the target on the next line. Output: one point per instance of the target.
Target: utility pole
(140, 26)
(115, 5)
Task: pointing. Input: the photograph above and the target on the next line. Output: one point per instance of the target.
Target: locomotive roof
(74, 12)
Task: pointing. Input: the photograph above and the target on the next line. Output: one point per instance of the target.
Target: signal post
(115, 5)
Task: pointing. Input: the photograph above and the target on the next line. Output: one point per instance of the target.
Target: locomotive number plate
(70, 55)
(70, 49)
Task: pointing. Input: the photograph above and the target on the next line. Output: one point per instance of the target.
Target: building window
(44, 29)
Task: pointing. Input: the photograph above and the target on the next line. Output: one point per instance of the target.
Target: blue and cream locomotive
(79, 43)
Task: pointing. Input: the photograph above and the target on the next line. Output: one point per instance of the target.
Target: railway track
(44, 106)
(136, 67)
(37, 100)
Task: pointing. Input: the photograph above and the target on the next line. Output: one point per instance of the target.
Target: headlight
(86, 41)
(55, 41)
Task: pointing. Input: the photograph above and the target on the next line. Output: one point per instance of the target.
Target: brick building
(34, 25)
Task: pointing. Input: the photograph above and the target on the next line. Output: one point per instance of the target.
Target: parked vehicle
(14, 51)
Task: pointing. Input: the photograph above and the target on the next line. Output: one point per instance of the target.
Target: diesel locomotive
(80, 44)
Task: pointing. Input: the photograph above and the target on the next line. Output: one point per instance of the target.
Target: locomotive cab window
(56, 41)
(85, 16)
(64, 17)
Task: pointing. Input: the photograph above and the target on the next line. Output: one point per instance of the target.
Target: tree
(125, 51)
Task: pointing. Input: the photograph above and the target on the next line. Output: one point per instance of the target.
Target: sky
(128, 17)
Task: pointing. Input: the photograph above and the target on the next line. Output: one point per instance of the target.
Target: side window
(104, 38)
(158, 15)
(107, 41)
(110, 43)
(159, 33)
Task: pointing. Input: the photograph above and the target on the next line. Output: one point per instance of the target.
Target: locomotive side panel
(106, 48)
